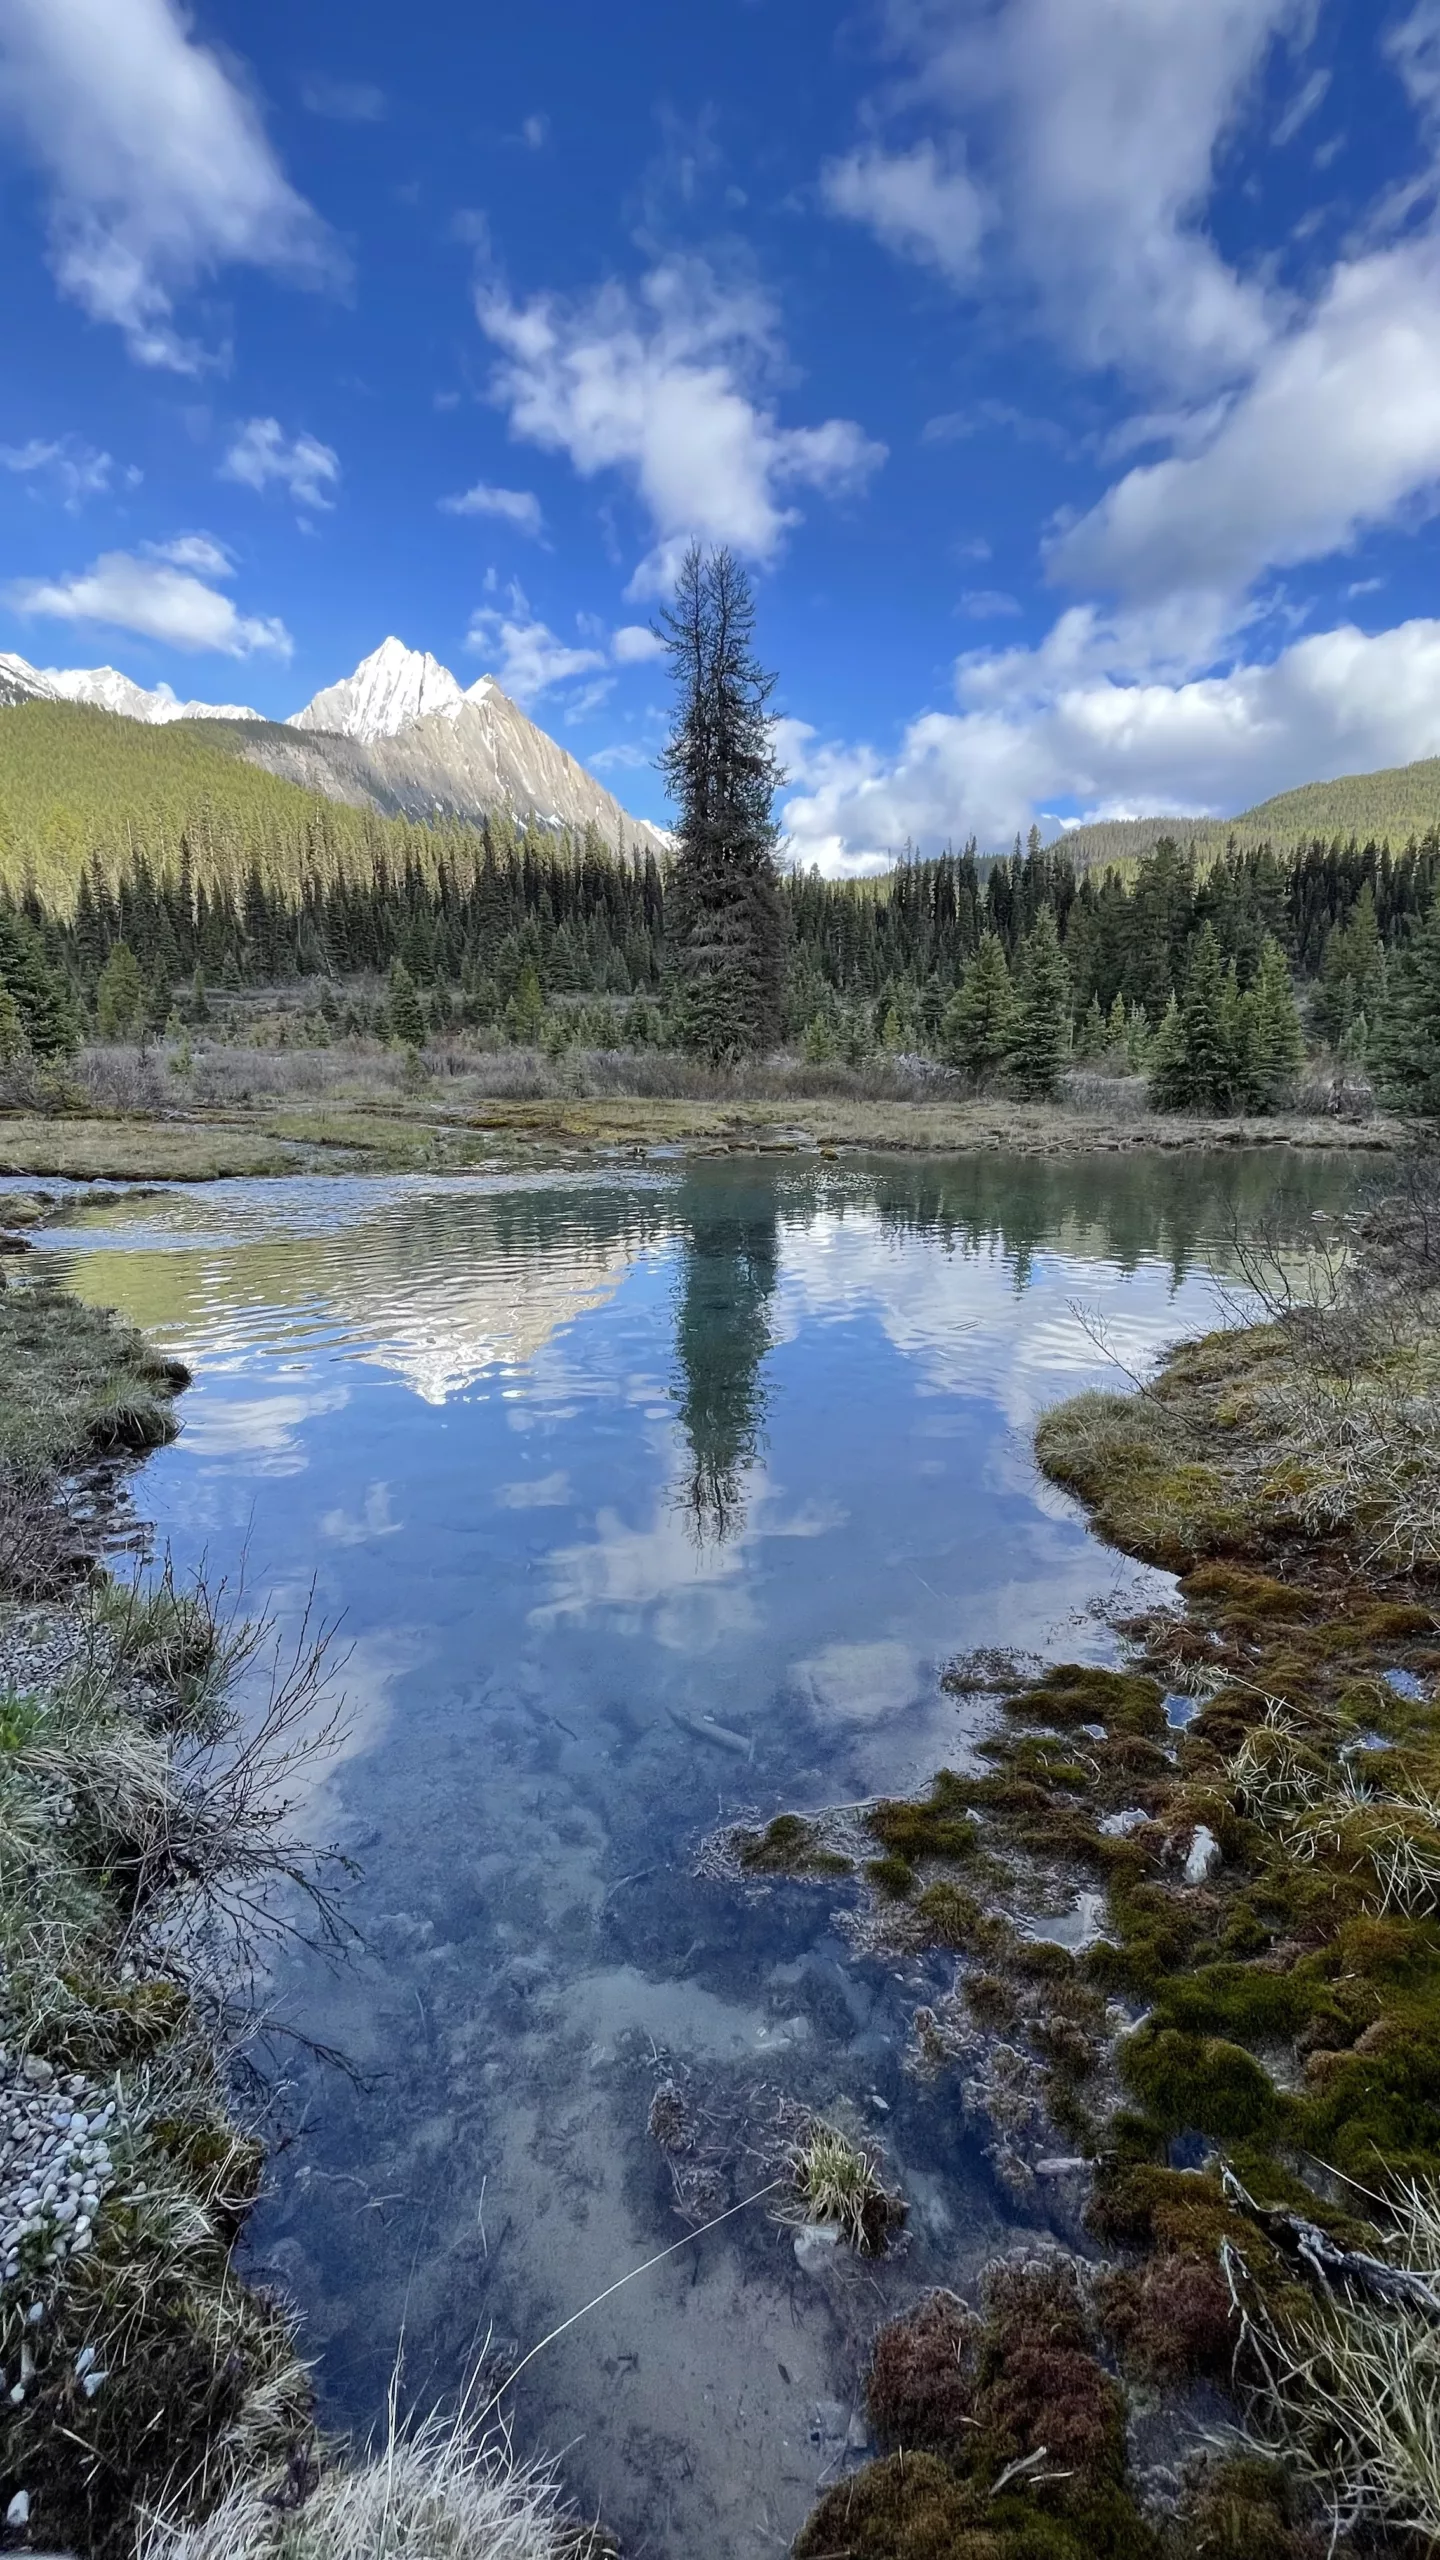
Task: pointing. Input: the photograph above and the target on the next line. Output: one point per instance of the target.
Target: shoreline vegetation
(198, 1112)
(1193, 1907)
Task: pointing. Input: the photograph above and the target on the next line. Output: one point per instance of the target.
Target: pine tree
(1116, 1027)
(406, 1013)
(1042, 1012)
(724, 917)
(980, 1017)
(120, 996)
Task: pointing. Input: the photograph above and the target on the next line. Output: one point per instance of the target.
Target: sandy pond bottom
(645, 1499)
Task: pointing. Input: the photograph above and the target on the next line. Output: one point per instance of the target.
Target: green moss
(1199, 2084)
(787, 1846)
(935, 1827)
(1074, 1693)
(891, 1877)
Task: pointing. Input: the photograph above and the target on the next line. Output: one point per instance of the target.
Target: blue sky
(1068, 371)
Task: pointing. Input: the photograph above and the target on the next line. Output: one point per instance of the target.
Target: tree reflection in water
(729, 1260)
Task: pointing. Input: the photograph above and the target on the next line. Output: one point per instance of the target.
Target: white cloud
(343, 101)
(1100, 121)
(1034, 727)
(913, 203)
(75, 469)
(634, 643)
(660, 386)
(263, 456)
(198, 551)
(1339, 429)
(158, 165)
(527, 657)
(535, 132)
(156, 599)
(518, 507)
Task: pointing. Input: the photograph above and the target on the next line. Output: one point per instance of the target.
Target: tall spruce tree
(980, 1017)
(1194, 1063)
(1277, 1044)
(1042, 1012)
(725, 920)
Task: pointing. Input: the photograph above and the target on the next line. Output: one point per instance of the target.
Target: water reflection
(729, 1254)
(643, 1499)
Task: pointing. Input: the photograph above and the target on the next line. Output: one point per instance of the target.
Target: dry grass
(136, 1150)
(441, 2489)
(1345, 2383)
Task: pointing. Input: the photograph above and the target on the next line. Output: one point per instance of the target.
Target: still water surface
(644, 1499)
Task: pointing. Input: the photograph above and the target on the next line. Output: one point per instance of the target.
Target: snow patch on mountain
(107, 690)
(389, 691)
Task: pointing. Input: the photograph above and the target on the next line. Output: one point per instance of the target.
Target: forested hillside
(1388, 808)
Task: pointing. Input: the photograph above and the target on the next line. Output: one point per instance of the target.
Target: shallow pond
(645, 1497)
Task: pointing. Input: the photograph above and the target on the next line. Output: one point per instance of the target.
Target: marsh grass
(837, 2182)
(1344, 2381)
(439, 2488)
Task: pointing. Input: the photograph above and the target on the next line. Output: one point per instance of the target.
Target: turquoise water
(641, 1499)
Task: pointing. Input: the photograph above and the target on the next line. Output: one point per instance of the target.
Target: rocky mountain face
(401, 736)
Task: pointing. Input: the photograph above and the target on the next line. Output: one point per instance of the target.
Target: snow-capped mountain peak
(389, 690)
(107, 690)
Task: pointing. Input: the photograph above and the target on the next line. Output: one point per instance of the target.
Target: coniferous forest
(1008, 969)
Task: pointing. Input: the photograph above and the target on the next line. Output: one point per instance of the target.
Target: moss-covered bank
(1242, 2039)
(135, 2367)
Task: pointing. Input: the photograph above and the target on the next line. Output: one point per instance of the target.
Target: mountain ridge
(400, 736)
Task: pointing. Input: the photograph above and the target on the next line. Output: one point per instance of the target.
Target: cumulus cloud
(1100, 121)
(1339, 430)
(198, 551)
(69, 466)
(262, 456)
(155, 598)
(517, 507)
(634, 642)
(913, 203)
(1027, 733)
(660, 385)
(528, 658)
(159, 168)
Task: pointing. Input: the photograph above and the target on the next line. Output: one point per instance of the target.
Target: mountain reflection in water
(644, 1498)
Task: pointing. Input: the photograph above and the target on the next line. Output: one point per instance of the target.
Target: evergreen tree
(1277, 1045)
(199, 1008)
(406, 1013)
(1352, 971)
(725, 916)
(1038, 1043)
(979, 1020)
(525, 1012)
(1116, 1027)
(1193, 1068)
(1405, 1050)
(120, 996)
(12, 1029)
(1091, 1034)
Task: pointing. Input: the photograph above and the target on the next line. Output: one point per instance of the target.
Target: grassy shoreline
(438, 1132)
(1239, 2047)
